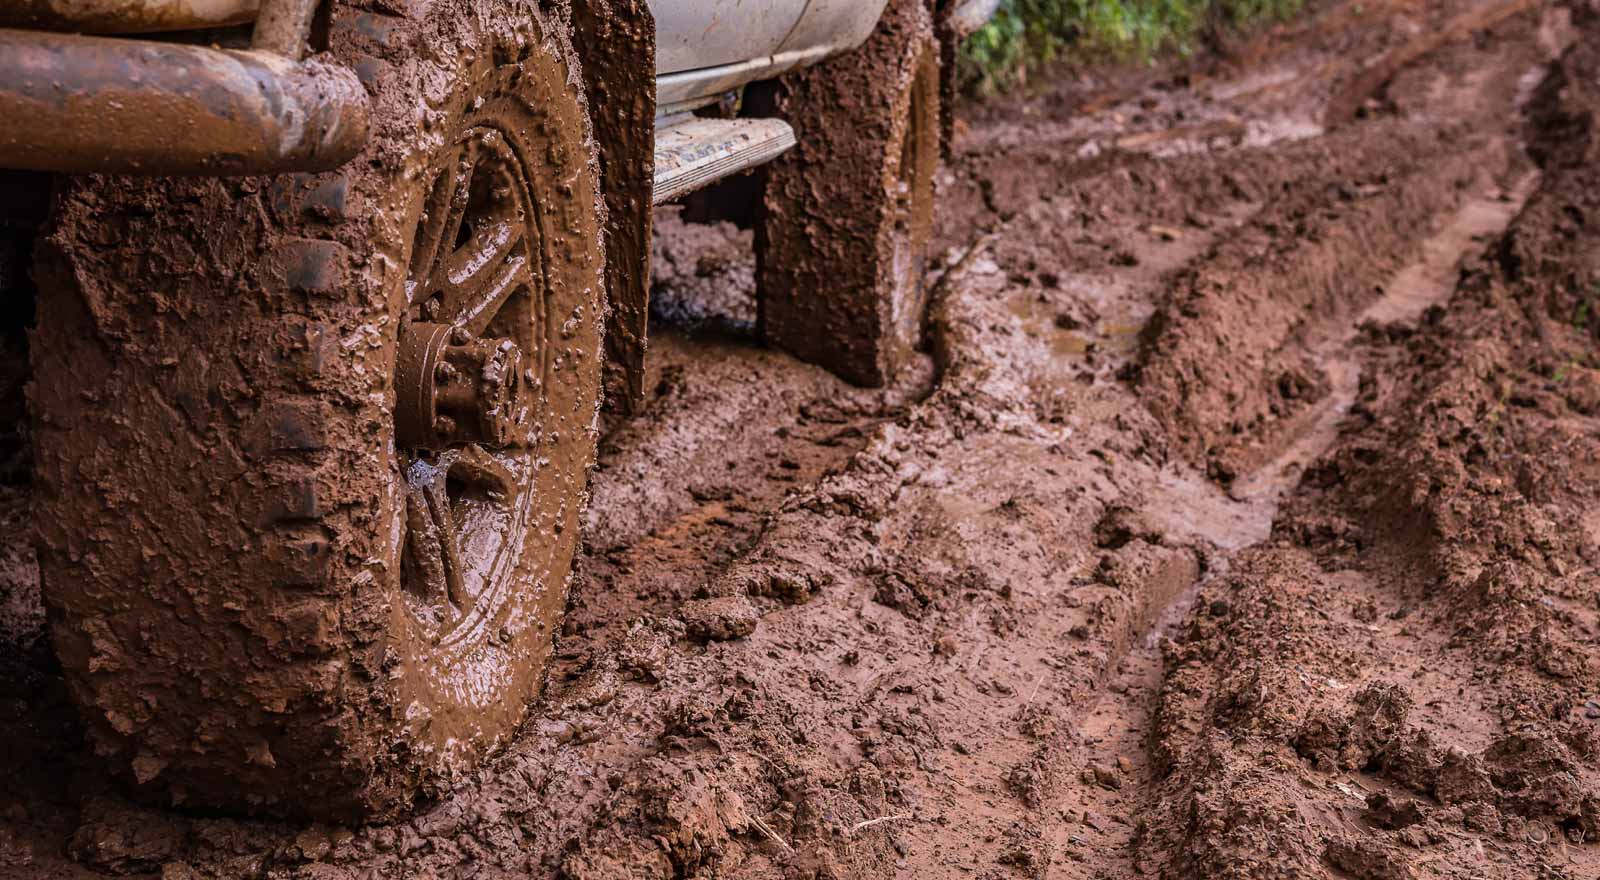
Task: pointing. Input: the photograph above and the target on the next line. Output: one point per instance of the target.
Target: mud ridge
(1228, 359)
(1402, 665)
(999, 621)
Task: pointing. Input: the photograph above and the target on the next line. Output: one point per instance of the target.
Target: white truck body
(707, 47)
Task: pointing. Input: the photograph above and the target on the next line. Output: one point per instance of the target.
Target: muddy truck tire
(312, 449)
(841, 248)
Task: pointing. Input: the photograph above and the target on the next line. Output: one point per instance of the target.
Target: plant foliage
(1026, 34)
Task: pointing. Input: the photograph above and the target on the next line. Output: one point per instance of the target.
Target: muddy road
(1241, 520)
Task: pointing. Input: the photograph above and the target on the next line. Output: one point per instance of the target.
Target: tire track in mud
(1114, 733)
(908, 636)
(1229, 362)
(942, 554)
(1444, 541)
(1114, 790)
(1214, 815)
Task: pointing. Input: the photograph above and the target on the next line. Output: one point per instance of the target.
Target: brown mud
(1240, 523)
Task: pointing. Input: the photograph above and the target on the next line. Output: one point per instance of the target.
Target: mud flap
(616, 45)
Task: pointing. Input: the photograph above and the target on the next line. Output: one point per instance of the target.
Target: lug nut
(460, 336)
(444, 371)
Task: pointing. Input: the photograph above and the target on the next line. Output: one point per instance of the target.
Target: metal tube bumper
(92, 104)
(124, 16)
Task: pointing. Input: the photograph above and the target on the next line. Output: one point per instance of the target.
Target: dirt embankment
(1228, 531)
(1419, 634)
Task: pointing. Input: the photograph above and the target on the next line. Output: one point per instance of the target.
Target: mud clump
(721, 619)
(110, 838)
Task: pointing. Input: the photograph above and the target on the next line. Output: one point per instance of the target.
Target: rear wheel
(843, 244)
(312, 449)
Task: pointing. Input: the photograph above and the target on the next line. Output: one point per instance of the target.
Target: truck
(324, 299)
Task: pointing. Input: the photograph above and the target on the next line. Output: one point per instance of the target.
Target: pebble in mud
(1103, 776)
(647, 648)
(1393, 813)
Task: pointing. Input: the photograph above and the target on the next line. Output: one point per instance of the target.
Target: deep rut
(1116, 785)
(990, 622)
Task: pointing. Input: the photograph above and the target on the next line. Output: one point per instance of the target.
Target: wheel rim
(468, 381)
(911, 202)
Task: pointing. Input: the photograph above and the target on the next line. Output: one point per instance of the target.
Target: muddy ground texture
(1240, 522)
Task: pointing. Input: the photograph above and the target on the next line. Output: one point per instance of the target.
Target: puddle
(1068, 338)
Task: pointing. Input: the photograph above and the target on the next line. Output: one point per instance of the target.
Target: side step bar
(692, 152)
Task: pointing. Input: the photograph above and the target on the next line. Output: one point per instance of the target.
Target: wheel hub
(453, 388)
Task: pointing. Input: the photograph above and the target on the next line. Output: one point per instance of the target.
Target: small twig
(1035, 692)
(772, 835)
(868, 823)
(978, 246)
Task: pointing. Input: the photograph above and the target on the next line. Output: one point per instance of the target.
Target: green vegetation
(1026, 34)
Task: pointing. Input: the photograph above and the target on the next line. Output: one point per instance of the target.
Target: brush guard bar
(82, 104)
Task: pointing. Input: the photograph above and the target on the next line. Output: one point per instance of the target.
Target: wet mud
(1238, 521)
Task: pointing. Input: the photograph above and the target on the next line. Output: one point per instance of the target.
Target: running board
(692, 152)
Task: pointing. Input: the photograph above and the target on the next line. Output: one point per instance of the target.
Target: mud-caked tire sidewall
(217, 510)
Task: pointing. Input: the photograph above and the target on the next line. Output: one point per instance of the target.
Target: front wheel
(312, 450)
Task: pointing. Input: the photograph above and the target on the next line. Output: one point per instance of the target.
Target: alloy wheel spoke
(445, 211)
(436, 540)
(424, 546)
(478, 276)
(478, 311)
(443, 514)
(475, 466)
(471, 271)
